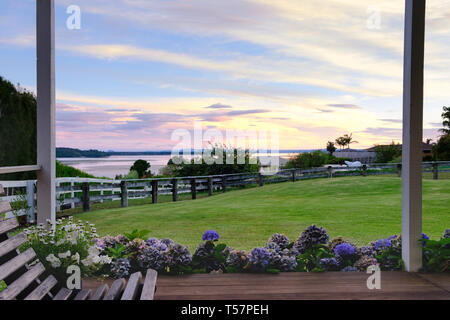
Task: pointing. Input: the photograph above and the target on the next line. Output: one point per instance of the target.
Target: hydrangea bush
(119, 256)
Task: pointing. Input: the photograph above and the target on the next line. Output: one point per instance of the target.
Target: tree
(331, 148)
(441, 150)
(446, 120)
(308, 160)
(348, 139)
(141, 167)
(387, 153)
(200, 167)
(341, 142)
(17, 129)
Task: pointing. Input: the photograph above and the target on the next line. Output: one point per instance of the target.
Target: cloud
(344, 106)
(392, 120)
(218, 106)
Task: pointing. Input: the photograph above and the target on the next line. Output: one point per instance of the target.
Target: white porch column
(412, 134)
(45, 50)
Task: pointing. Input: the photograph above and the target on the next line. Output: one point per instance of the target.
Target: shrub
(208, 255)
(70, 244)
(436, 255)
(311, 237)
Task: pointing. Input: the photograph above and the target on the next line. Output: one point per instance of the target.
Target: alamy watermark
(374, 17)
(374, 281)
(234, 146)
(73, 22)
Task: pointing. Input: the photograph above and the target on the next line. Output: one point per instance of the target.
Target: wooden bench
(27, 278)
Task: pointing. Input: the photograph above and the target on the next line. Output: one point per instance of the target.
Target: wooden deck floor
(299, 286)
(332, 285)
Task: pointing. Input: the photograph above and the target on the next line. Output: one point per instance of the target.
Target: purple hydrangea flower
(349, 269)
(382, 244)
(259, 258)
(344, 250)
(330, 264)
(211, 235)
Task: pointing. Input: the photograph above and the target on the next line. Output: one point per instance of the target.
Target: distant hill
(77, 153)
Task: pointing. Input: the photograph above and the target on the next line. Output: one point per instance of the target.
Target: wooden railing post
(72, 194)
(294, 175)
(174, 190)
(155, 191)
(224, 184)
(30, 201)
(210, 186)
(193, 189)
(260, 179)
(123, 194)
(435, 171)
(86, 196)
(330, 172)
(399, 170)
(364, 170)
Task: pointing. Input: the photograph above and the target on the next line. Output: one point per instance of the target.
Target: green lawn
(361, 209)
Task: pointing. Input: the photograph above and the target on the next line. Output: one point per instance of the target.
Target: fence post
(174, 190)
(330, 172)
(224, 184)
(210, 186)
(102, 193)
(58, 204)
(399, 170)
(30, 201)
(435, 171)
(194, 189)
(294, 175)
(123, 194)
(86, 196)
(155, 191)
(260, 179)
(364, 170)
(72, 194)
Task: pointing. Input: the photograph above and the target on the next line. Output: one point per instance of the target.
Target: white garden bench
(32, 282)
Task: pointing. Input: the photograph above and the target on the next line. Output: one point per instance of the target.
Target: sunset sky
(139, 69)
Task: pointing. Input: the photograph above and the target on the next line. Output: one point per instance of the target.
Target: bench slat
(115, 290)
(15, 263)
(43, 289)
(148, 291)
(83, 294)
(13, 243)
(63, 294)
(4, 207)
(99, 293)
(22, 282)
(8, 225)
(132, 286)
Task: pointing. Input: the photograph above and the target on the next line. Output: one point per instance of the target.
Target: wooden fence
(82, 192)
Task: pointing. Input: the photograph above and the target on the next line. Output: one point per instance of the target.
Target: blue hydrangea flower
(349, 269)
(344, 250)
(382, 244)
(330, 264)
(211, 235)
(446, 234)
(259, 258)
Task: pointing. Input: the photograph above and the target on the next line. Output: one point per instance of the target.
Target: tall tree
(446, 120)
(331, 148)
(141, 167)
(17, 129)
(348, 139)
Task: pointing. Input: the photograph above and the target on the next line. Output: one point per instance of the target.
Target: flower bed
(76, 243)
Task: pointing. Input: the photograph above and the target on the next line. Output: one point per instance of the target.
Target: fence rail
(82, 192)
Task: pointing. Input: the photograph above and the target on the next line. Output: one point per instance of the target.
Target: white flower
(76, 257)
(93, 251)
(64, 255)
(105, 260)
(60, 242)
(54, 261)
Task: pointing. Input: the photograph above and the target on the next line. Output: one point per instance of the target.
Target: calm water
(114, 165)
